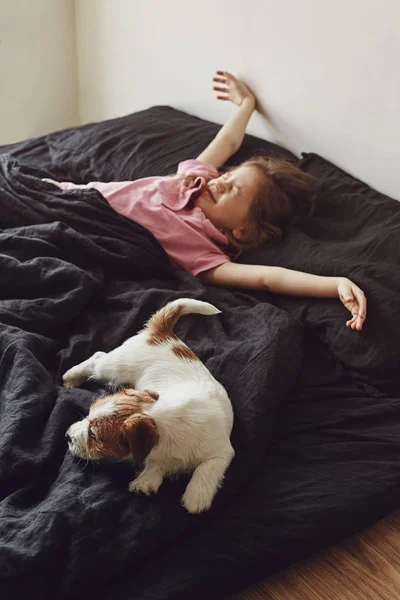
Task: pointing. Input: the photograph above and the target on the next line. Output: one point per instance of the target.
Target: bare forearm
(273, 279)
(285, 281)
(230, 136)
(234, 129)
(297, 283)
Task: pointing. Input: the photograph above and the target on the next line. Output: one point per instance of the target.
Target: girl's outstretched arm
(229, 138)
(296, 283)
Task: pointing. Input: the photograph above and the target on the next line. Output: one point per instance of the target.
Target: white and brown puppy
(184, 425)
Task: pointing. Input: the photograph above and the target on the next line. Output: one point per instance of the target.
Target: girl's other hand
(234, 89)
(355, 301)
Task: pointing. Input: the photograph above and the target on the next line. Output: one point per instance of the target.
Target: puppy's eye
(92, 433)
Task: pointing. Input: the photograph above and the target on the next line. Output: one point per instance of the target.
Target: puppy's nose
(68, 437)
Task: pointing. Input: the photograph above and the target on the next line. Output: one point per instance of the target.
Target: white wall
(327, 71)
(38, 68)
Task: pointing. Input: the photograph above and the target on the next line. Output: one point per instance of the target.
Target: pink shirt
(162, 205)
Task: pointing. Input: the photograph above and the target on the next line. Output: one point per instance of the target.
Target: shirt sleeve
(103, 188)
(198, 262)
(210, 261)
(197, 167)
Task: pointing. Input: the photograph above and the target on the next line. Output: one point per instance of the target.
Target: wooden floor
(365, 567)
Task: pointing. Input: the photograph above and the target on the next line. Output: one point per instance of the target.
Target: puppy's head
(116, 427)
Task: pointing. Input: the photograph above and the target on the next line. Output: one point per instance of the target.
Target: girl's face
(227, 199)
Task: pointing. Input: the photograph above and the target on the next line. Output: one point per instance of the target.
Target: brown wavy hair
(286, 197)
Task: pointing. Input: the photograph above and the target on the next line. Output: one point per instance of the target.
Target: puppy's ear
(141, 434)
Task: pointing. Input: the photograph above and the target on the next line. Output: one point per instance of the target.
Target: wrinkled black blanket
(316, 406)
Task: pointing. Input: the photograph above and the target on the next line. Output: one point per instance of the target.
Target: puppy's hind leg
(77, 375)
(205, 481)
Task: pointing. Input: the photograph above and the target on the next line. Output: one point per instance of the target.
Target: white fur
(193, 414)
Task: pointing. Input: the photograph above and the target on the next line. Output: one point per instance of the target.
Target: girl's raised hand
(234, 89)
(354, 300)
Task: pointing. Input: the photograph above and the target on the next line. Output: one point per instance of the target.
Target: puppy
(184, 425)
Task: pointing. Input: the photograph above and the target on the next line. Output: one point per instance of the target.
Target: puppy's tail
(160, 325)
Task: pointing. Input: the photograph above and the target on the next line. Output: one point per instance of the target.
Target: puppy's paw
(145, 484)
(74, 378)
(196, 499)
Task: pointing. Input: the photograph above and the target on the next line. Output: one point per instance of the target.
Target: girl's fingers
(362, 307)
(357, 321)
(219, 79)
(360, 322)
(220, 89)
(356, 302)
(225, 74)
(223, 98)
(352, 323)
(361, 300)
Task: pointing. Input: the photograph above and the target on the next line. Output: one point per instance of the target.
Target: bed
(317, 406)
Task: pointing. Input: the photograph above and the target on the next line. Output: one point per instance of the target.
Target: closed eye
(92, 433)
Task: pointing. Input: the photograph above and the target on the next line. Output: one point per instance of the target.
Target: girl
(198, 213)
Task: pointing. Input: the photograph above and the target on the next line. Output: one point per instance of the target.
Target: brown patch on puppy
(141, 434)
(106, 434)
(182, 351)
(143, 395)
(105, 438)
(129, 392)
(161, 324)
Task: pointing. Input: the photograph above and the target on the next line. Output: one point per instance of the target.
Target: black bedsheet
(316, 406)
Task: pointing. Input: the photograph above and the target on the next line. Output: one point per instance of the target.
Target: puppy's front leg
(149, 480)
(77, 375)
(205, 482)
